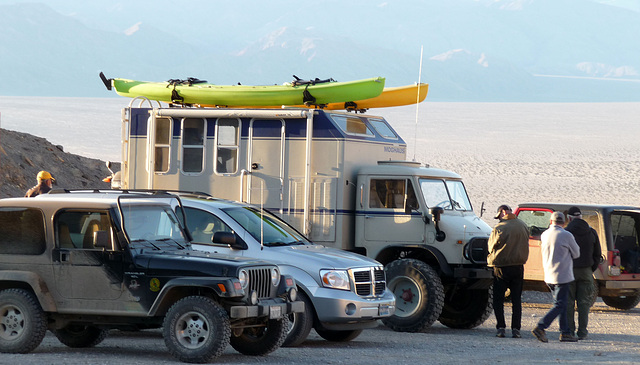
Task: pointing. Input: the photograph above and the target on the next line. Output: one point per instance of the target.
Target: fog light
(293, 294)
(350, 309)
(253, 297)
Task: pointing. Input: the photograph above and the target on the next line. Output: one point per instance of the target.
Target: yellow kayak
(390, 97)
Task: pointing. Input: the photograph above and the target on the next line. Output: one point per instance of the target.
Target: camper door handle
(361, 192)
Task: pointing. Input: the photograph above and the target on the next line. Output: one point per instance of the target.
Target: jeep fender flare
(31, 281)
(427, 254)
(177, 288)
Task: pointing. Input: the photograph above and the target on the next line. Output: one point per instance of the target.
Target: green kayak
(193, 91)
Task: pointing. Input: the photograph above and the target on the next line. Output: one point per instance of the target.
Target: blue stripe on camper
(323, 127)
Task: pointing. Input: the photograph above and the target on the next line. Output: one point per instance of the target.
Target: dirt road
(613, 339)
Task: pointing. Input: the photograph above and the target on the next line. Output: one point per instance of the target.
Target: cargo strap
(175, 97)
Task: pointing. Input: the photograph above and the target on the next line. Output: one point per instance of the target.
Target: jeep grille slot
(369, 281)
(260, 281)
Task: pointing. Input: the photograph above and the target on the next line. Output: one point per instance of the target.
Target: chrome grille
(260, 281)
(369, 281)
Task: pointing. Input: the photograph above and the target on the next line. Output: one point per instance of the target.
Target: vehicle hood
(196, 263)
(316, 257)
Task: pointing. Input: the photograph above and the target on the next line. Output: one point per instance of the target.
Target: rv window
(390, 194)
(163, 143)
(22, 231)
(383, 128)
(352, 125)
(227, 139)
(193, 145)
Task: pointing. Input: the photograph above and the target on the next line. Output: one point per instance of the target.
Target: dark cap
(501, 208)
(574, 212)
(557, 217)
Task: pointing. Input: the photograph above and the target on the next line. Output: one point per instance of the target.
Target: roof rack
(129, 191)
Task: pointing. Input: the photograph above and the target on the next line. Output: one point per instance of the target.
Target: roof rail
(128, 191)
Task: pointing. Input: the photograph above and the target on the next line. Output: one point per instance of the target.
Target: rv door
(266, 163)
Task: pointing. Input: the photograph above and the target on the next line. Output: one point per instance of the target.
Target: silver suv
(343, 292)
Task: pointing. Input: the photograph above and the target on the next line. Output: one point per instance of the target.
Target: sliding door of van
(266, 163)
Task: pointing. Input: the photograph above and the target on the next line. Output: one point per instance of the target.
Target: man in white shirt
(558, 248)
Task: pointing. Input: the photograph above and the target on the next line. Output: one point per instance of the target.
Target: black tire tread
(38, 321)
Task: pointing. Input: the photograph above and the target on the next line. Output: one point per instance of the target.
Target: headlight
(275, 276)
(336, 279)
(244, 278)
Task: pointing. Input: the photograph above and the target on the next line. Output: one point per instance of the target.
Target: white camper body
(338, 178)
(263, 157)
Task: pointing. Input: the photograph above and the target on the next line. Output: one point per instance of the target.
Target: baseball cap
(574, 212)
(44, 175)
(500, 208)
(557, 217)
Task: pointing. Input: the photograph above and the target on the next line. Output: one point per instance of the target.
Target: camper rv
(339, 178)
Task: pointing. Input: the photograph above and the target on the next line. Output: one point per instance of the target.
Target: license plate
(383, 310)
(275, 312)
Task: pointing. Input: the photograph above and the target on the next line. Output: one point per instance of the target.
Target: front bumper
(271, 308)
(341, 310)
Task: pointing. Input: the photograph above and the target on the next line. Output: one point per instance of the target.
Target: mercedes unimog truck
(341, 179)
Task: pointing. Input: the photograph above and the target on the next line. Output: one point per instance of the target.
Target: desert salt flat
(506, 152)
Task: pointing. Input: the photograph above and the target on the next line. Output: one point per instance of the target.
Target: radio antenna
(415, 134)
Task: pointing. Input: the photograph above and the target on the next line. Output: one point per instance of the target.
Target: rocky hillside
(22, 155)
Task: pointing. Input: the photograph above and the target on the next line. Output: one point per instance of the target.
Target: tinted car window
(21, 231)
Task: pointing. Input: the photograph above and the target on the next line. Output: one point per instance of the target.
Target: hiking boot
(500, 332)
(583, 337)
(540, 334)
(568, 338)
(515, 333)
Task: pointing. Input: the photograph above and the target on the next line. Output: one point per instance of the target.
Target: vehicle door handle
(64, 256)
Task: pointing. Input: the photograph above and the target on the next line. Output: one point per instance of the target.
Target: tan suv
(618, 277)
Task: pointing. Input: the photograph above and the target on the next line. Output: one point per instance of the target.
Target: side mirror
(436, 212)
(229, 238)
(101, 240)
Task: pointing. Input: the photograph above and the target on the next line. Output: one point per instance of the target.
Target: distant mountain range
(474, 50)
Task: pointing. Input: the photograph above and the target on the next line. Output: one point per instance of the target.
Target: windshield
(445, 194)
(154, 226)
(265, 227)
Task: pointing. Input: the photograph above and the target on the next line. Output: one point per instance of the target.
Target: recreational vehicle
(339, 178)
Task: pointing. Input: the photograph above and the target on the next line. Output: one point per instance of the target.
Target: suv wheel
(300, 324)
(22, 321)
(79, 336)
(196, 329)
(258, 341)
(419, 295)
(622, 302)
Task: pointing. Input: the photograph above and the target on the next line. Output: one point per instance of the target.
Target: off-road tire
(415, 312)
(622, 302)
(300, 324)
(338, 336)
(23, 323)
(465, 308)
(259, 341)
(196, 329)
(79, 336)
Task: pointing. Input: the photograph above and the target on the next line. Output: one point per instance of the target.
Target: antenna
(415, 134)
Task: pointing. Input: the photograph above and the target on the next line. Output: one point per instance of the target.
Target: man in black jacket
(581, 290)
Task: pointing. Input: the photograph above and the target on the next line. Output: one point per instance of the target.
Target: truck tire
(79, 336)
(300, 324)
(23, 323)
(419, 295)
(258, 341)
(338, 336)
(196, 329)
(464, 308)
(622, 302)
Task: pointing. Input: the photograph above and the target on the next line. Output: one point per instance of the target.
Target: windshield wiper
(280, 243)
(174, 241)
(140, 240)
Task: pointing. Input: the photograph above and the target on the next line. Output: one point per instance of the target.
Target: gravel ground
(613, 339)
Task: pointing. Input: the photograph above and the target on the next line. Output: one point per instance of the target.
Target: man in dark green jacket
(581, 290)
(508, 252)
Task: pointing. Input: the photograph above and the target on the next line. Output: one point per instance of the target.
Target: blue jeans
(560, 300)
